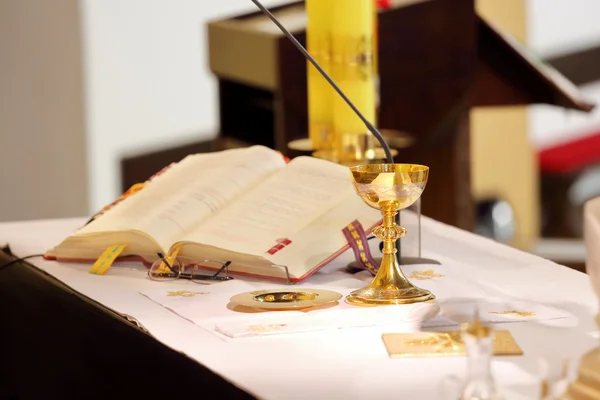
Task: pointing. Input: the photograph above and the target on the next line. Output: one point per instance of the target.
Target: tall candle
(352, 57)
(320, 93)
(376, 9)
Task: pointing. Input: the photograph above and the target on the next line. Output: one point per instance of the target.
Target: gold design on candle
(185, 293)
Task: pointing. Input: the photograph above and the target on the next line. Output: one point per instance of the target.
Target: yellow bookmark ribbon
(107, 258)
(170, 259)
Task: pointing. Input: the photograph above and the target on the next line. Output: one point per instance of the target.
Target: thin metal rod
(370, 126)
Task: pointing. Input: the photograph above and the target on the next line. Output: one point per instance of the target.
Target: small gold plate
(285, 299)
(442, 344)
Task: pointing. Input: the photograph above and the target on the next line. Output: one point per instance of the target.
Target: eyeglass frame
(199, 277)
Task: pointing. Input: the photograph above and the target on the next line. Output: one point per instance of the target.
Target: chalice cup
(389, 188)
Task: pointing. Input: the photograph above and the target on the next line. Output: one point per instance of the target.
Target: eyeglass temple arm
(162, 257)
(222, 268)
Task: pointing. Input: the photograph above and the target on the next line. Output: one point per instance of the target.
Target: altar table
(345, 363)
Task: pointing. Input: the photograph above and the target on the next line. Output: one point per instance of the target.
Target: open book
(236, 205)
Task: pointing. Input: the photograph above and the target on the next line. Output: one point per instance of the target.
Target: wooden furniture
(85, 350)
(566, 163)
(437, 59)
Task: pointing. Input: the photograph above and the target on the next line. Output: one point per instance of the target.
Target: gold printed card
(442, 344)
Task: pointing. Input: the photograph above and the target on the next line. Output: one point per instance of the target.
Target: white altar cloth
(348, 363)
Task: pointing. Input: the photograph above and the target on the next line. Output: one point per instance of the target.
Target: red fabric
(384, 4)
(571, 156)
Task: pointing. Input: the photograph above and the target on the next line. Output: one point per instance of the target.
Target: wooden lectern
(437, 59)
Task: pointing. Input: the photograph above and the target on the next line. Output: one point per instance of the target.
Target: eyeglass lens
(209, 270)
(161, 270)
(204, 272)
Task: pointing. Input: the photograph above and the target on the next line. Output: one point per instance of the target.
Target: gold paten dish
(285, 299)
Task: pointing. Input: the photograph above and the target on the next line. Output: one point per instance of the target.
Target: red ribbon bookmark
(357, 239)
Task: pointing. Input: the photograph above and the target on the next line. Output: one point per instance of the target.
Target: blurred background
(89, 87)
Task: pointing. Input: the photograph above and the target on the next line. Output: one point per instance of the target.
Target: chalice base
(373, 295)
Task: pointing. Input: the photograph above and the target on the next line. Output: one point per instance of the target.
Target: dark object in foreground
(58, 344)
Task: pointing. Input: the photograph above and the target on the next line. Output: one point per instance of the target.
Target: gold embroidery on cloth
(265, 328)
(514, 313)
(359, 243)
(427, 274)
(185, 293)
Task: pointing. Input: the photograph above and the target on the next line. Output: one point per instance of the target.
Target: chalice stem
(389, 272)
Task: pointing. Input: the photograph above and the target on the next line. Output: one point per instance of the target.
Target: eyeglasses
(170, 270)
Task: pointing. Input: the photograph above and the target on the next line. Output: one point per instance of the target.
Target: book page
(283, 204)
(188, 193)
(316, 243)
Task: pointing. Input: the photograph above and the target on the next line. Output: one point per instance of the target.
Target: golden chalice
(389, 188)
